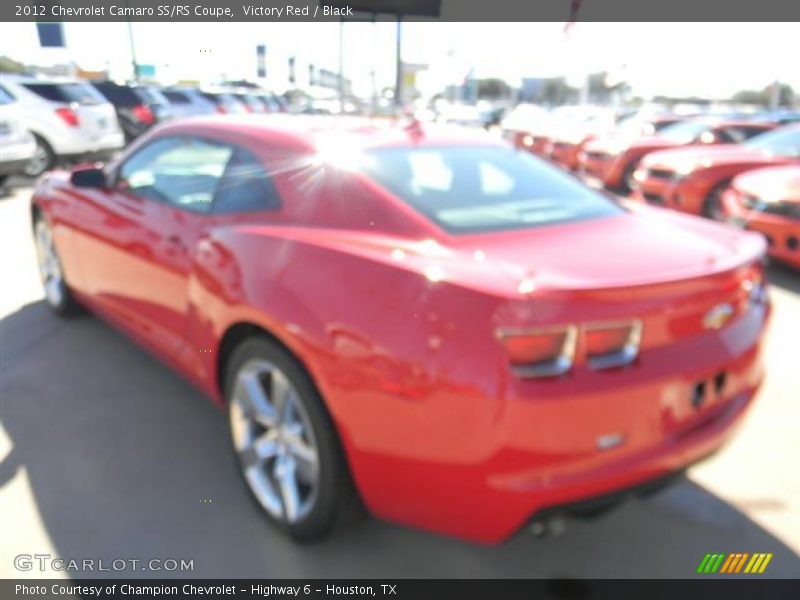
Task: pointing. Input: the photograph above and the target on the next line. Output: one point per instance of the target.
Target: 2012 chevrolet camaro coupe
(426, 321)
(693, 179)
(768, 201)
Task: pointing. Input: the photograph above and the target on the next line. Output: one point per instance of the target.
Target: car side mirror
(88, 177)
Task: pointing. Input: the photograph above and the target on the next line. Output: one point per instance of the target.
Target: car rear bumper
(653, 191)
(565, 154)
(596, 171)
(546, 444)
(77, 144)
(12, 167)
(14, 153)
(91, 156)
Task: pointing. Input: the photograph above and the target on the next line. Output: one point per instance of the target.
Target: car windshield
(80, 93)
(472, 189)
(781, 142)
(5, 97)
(684, 132)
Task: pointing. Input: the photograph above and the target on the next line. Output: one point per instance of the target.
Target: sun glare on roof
(343, 156)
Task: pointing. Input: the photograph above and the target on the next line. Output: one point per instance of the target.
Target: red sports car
(598, 158)
(568, 144)
(540, 134)
(768, 201)
(424, 320)
(612, 161)
(693, 179)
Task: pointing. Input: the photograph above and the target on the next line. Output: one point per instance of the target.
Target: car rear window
(742, 133)
(120, 95)
(218, 98)
(684, 132)
(151, 95)
(81, 93)
(473, 189)
(176, 97)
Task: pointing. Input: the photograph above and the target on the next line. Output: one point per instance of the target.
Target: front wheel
(56, 292)
(712, 205)
(285, 441)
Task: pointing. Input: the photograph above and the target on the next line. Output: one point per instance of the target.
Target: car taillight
(540, 352)
(143, 114)
(68, 116)
(610, 345)
(221, 109)
(754, 286)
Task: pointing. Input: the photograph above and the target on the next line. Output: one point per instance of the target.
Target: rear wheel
(56, 292)
(285, 441)
(43, 158)
(712, 205)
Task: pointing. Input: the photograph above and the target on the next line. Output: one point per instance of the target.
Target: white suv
(17, 145)
(69, 119)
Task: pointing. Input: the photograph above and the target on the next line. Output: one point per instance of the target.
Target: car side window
(182, 171)
(731, 135)
(5, 96)
(245, 186)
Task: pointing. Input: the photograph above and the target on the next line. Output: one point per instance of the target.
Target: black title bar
(447, 10)
(730, 588)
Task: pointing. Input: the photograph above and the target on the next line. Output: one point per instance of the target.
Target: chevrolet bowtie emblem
(718, 316)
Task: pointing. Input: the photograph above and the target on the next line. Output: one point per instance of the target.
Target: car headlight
(683, 169)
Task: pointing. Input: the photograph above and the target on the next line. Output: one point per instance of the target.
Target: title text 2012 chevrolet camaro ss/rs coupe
(426, 321)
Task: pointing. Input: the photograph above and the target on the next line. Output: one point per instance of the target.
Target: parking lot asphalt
(107, 454)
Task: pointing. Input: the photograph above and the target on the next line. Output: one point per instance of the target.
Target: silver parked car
(69, 119)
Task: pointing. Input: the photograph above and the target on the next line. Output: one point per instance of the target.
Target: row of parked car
(743, 169)
(47, 121)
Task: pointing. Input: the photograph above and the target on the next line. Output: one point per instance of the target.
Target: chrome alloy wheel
(273, 437)
(39, 162)
(49, 264)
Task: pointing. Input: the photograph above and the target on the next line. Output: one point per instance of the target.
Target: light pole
(398, 82)
(134, 64)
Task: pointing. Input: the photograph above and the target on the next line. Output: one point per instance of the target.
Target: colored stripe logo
(741, 562)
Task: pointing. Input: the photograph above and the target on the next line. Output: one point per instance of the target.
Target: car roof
(314, 131)
(744, 123)
(49, 80)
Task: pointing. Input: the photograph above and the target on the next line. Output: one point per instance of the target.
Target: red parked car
(431, 321)
(603, 160)
(693, 179)
(568, 141)
(768, 201)
(612, 161)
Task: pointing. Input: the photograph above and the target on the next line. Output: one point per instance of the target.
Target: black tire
(58, 295)
(712, 205)
(624, 185)
(44, 160)
(336, 499)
